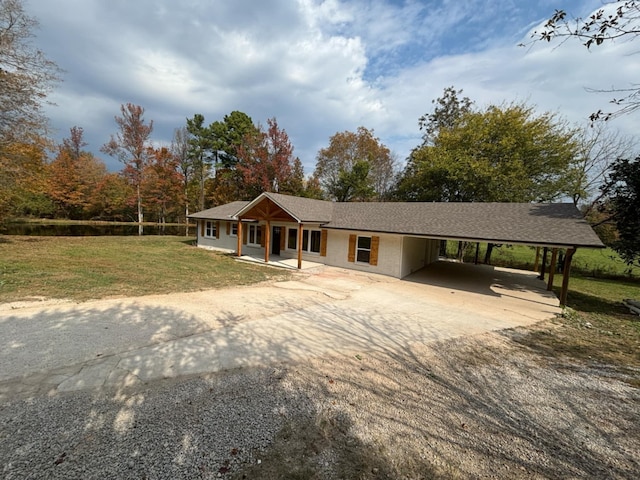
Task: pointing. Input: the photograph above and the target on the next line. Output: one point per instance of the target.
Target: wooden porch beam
(239, 243)
(566, 273)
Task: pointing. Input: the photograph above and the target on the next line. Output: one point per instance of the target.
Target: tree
(501, 154)
(354, 184)
(335, 163)
(295, 184)
(73, 176)
(23, 179)
(163, 184)
(112, 197)
(615, 20)
(130, 146)
(200, 153)
(229, 136)
(598, 148)
(266, 161)
(622, 204)
(26, 75)
(180, 150)
(447, 111)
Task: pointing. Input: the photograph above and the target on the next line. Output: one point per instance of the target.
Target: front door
(275, 241)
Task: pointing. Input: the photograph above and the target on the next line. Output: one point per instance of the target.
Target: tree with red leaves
(266, 161)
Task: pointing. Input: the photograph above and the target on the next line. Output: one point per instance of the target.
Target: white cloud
(318, 66)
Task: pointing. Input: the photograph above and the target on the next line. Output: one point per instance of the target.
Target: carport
(550, 227)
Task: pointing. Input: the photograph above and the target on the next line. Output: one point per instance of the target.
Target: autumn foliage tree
(163, 185)
(23, 179)
(130, 145)
(266, 161)
(359, 161)
(73, 177)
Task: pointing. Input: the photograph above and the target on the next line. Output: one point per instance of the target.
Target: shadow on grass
(585, 302)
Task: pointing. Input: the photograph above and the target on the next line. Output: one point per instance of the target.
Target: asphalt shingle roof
(559, 224)
(222, 212)
(552, 224)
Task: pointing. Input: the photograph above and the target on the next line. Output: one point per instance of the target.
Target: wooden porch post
(300, 246)
(552, 268)
(267, 242)
(239, 248)
(565, 276)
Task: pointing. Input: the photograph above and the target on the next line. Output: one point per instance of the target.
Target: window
(363, 250)
(234, 229)
(210, 229)
(311, 241)
(292, 239)
(255, 235)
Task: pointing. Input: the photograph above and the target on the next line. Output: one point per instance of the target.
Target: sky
(319, 67)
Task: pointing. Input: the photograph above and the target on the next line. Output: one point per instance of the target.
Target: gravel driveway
(390, 379)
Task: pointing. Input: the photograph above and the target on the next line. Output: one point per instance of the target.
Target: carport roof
(545, 224)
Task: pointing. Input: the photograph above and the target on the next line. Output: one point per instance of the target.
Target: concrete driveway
(63, 346)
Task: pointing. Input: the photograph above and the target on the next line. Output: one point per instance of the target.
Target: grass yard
(83, 268)
(597, 328)
(599, 263)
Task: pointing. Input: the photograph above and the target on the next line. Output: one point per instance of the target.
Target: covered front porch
(279, 230)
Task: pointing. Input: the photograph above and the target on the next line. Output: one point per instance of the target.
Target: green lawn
(82, 268)
(600, 263)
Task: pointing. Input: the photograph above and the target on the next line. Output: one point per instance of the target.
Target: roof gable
(300, 209)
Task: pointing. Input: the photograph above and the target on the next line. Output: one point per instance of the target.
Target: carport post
(565, 276)
(552, 268)
(535, 264)
(544, 264)
(477, 252)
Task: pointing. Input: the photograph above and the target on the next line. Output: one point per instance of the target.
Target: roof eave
(548, 244)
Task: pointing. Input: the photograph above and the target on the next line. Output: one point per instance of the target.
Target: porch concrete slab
(281, 262)
(326, 312)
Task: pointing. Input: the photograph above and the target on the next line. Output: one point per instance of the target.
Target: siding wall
(225, 242)
(414, 252)
(417, 253)
(389, 252)
(397, 256)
